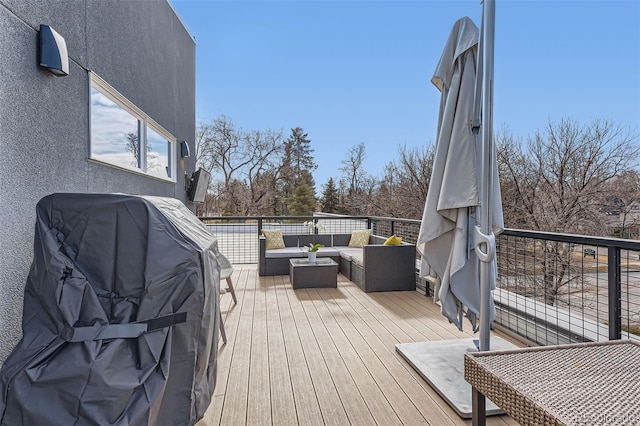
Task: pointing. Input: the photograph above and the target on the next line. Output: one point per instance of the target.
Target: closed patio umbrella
(452, 209)
(462, 212)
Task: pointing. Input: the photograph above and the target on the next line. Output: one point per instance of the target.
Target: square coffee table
(322, 273)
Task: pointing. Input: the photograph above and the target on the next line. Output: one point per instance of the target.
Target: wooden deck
(325, 356)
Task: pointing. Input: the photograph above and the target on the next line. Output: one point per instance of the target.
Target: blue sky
(359, 71)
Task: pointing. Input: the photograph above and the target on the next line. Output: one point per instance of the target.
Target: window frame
(144, 122)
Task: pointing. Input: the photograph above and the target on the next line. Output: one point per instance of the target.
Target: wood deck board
(283, 410)
(230, 314)
(331, 406)
(325, 356)
(259, 397)
(382, 345)
(440, 412)
(422, 320)
(400, 329)
(304, 395)
(366, 363)
(235, 401)
(345, 379)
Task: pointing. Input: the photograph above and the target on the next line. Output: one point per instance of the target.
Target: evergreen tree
(298, 153)
(303, 201)
(298, 165)
(330, 198)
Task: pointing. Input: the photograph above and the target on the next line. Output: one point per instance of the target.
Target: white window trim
(105, 88)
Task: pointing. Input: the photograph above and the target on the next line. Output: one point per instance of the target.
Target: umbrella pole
(486, 225)
(485, 240)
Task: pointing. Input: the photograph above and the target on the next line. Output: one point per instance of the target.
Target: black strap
(106, 331)
(165, 321)
(121, 331)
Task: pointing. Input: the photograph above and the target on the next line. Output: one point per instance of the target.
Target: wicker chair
(226, 270)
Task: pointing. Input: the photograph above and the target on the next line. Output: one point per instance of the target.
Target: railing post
(615, 294)
(393, 227)
(259, 225)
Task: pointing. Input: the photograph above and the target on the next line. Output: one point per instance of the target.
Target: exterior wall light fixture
(53, 51)
(184, 149)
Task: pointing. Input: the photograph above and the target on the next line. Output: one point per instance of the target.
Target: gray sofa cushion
(285, 252)
(358, 259)
(347, 253)
(328, 251)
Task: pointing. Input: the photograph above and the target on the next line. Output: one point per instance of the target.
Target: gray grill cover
(105, 337)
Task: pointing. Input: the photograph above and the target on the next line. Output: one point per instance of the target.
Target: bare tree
(357, 187)
(518, 182)
(351, 169)
(559, 181)
(220, 148)
(403, 189)
(622, 206)
(247, 162)
(263, 170)
(204, 150)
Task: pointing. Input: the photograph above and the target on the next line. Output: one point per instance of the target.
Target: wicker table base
(321, 273)
(580, 384)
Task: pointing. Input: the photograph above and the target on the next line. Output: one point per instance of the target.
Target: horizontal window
(117, 129)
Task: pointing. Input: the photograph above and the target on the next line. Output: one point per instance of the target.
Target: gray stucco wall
(141, 49)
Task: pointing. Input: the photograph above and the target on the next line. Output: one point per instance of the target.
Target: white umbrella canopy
(453, 202)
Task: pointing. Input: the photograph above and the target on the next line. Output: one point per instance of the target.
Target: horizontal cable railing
(565, 288)
(551, 288)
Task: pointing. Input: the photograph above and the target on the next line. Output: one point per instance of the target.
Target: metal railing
(565, 288)
(551, 288)
(238, 236)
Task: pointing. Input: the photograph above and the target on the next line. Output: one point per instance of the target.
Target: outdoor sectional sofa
(374, 267)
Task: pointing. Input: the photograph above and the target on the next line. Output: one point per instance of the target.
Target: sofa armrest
(389, 268)
(262, 245)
